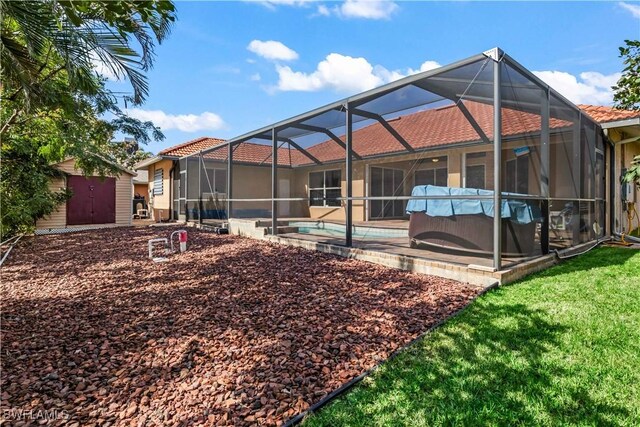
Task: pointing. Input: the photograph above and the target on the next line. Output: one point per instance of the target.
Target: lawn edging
(354, 381)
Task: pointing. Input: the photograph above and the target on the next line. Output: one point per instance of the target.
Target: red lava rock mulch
(235, 331)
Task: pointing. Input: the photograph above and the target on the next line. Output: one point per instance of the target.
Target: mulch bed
(233, 332)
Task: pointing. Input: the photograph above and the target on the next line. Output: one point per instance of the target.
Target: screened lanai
(424, 166)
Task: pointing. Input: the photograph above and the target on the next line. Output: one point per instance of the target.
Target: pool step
(267, 223)
(283, 229)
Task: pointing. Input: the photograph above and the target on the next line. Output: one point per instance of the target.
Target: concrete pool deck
(396, 253)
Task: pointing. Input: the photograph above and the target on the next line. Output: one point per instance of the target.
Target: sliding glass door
(386, 182)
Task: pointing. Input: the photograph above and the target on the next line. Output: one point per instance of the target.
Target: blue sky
(230, 67)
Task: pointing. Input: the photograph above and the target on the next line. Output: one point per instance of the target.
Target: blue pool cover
(519, 211)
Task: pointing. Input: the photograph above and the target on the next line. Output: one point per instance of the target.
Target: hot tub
(467, 224)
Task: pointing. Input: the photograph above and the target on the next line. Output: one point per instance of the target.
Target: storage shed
(96, 202)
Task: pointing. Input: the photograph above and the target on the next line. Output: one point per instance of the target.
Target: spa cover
(519, 211)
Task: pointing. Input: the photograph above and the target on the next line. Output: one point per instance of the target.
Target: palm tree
(40, 39)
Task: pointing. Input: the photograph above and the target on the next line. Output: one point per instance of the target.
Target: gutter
(620, 123)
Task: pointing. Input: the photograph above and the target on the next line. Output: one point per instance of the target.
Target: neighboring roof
(142, 178)
(602, 114)
(190, 147)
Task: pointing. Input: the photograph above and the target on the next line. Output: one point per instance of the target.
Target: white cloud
(633, 8)
(183, 122)
(272, 4)
(255, 77)
(429, 65)
(102, 69)
(323, 10)
(359, 9)
(342, 73)
(273, 50)
(588, 88)
(366, 9)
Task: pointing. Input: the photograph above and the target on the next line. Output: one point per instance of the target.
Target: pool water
(338, 230)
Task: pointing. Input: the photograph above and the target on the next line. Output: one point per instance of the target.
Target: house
(160, 171)
(622, 129)
(448, 145)
(96, 202)
(140, 193)
(141, 185)
(513, 170)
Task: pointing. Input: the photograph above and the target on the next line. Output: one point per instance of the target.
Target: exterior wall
(456, 163)
(58, 218)
(252, 182)
(161, 202)
(141, 189)
(124, 194)
(361, 173)
(255, 182)
(624, 154)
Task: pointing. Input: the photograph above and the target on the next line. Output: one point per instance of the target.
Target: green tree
(627, 95)
(627, 90)
(128, 152)
(56, 106)
(633, 172)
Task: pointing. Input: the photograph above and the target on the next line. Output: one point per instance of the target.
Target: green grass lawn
(561, 347)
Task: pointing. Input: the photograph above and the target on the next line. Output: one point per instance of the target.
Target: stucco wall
(624, 154)
(160, 202)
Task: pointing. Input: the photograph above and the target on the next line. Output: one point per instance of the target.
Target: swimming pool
(338, 230)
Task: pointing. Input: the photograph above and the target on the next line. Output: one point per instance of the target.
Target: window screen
(431, 177)
(475, 176)
(517, 175)
(157, 182)
(214, 180)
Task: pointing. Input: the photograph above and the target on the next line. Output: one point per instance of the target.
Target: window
(158, 188)
(475, 176)
(434, 172)
(325, 188)
(386, 182)
(517, 175)
(214, 181)
(474, 170)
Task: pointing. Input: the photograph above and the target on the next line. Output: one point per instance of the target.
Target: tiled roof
(424, 129)
(249, 152)
(190, 147)
(602, 114)
(432, 128)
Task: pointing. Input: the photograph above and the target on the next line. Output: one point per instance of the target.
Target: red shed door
(93, 200)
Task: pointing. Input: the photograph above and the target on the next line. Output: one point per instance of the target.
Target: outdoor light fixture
(435, 160)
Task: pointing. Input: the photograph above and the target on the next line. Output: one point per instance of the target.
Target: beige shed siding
(124, 199)
(124, 196)
(58, 218)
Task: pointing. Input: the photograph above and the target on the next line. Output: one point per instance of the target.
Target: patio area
(389, 236)
(233, 332)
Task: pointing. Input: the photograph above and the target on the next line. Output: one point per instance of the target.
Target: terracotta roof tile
(249, 152)
(603, 114)
(424, 129)
(190, 147)
(432, 128)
